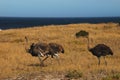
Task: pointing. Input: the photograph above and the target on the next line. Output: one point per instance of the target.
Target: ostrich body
(100, 50)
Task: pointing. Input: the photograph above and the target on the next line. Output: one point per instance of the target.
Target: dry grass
(14, 60)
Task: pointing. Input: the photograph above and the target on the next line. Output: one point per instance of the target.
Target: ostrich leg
(39, 56)
(44, 59)
(98, 60)
(105, 61)
(56, 55)
(41, 61)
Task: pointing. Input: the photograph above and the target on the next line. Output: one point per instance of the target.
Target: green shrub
(112, 77)
(116, 76)
(82, 33)
(107, 78)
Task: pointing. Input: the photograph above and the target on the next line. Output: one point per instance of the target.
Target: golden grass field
(14, 60)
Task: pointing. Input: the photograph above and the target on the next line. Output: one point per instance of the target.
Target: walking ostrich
(100, 50)
(43, 49)
(38, 50)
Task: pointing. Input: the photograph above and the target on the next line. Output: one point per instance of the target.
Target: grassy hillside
(15, 61)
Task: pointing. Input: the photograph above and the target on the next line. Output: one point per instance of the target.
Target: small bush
(107, 78)
(82, 33)
(112, 77)
(73, 74)
(107, 27)
(116, 76)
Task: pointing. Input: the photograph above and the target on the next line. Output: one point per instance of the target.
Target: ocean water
(17, 22)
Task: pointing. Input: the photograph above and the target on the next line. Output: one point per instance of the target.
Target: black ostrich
(43, 49)
(39, 50)
(100, 50)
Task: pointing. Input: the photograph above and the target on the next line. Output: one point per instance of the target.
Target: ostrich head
(26, 48)
(29, 50)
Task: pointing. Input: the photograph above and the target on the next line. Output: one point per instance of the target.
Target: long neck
(26, 43)
(88, 44)
(26, 39)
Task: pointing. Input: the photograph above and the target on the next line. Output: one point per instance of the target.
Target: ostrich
(43, 49)
(100, 50)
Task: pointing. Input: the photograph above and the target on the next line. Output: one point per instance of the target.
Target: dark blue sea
(20, 22)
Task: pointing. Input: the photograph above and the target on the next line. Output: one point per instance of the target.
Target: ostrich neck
(26, 48)
(88, 44)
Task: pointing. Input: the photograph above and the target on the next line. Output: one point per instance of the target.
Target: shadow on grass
(37, 65)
